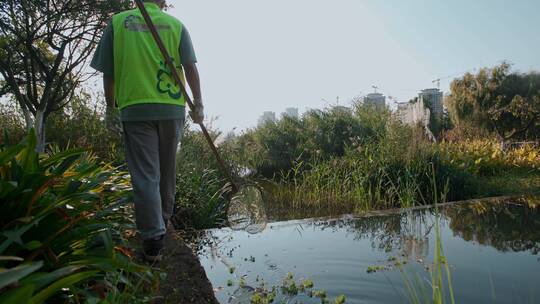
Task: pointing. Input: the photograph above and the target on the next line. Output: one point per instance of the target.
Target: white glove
(197, 114)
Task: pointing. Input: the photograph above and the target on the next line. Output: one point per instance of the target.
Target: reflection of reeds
(440, 258)
(416, 289)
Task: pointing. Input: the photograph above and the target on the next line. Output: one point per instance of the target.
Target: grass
(378, 178)
(512, 183)
(382, 178)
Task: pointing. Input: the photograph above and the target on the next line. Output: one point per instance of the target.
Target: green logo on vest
(135, 23)
(166, 84)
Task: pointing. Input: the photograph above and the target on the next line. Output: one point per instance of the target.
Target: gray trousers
(151, 148)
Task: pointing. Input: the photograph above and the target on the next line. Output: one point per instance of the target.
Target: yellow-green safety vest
(140, 71)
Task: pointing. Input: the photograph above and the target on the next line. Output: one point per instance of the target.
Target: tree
(44, 49)
(497, 100)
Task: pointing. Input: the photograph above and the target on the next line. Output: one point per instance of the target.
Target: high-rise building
(267, 116)
(291, 113)
(412, 113)
(433, 99)
(376, 99)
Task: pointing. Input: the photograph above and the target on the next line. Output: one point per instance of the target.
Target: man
(137, 81)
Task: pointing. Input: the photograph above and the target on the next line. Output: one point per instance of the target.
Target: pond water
(491, 247)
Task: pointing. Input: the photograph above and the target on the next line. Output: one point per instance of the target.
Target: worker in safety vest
(140, 91)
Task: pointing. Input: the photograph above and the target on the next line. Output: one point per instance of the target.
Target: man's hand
(197, 114)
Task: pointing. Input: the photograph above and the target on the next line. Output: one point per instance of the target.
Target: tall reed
(441, 288)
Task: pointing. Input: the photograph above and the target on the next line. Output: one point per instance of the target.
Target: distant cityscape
(429, 102)
(270, 116)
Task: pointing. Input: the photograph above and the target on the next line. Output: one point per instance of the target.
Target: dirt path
(186, 280)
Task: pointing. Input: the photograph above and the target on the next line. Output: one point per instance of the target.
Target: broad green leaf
(28, 156)
(63, 283)
(107, 241)
(41, 280)
(20, 295)
(66, 164)
(14, 236)
(9, 153)
(7, 188)
(87, 169)
(11, 258)
(110, 264)
(13, 275)
(112, 208)
(26, 220)
(32, 245)
(58, 157)
(94, 300)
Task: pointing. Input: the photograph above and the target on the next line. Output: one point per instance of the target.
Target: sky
(256, 56)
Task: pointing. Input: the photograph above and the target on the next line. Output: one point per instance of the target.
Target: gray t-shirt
(103, 61)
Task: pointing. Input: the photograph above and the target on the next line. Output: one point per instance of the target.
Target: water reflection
(247, 211)
(407, 232)
(336, 253)
(502, 224)
(505, 226)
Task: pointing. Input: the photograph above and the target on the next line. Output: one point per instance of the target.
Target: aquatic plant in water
(289, 289)
(415, 288)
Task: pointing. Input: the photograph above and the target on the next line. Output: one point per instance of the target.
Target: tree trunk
(39, 126)
(29, 122)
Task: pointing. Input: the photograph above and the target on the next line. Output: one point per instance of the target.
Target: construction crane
(375, 88)
(438, 80)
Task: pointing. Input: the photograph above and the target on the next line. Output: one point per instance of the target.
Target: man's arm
(187, 54)
(192, 77)
(108, 87)
(103, 61)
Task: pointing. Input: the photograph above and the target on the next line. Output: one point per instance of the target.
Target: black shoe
(152, 249)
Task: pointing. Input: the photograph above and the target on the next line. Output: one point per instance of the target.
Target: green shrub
(82, 124)
(370, 180)
(320, 134)
(202, 187)
(486, 158)
(62, 218)
(385, 165)
(12, 123)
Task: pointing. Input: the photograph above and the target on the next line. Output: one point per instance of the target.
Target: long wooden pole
(176, 77)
